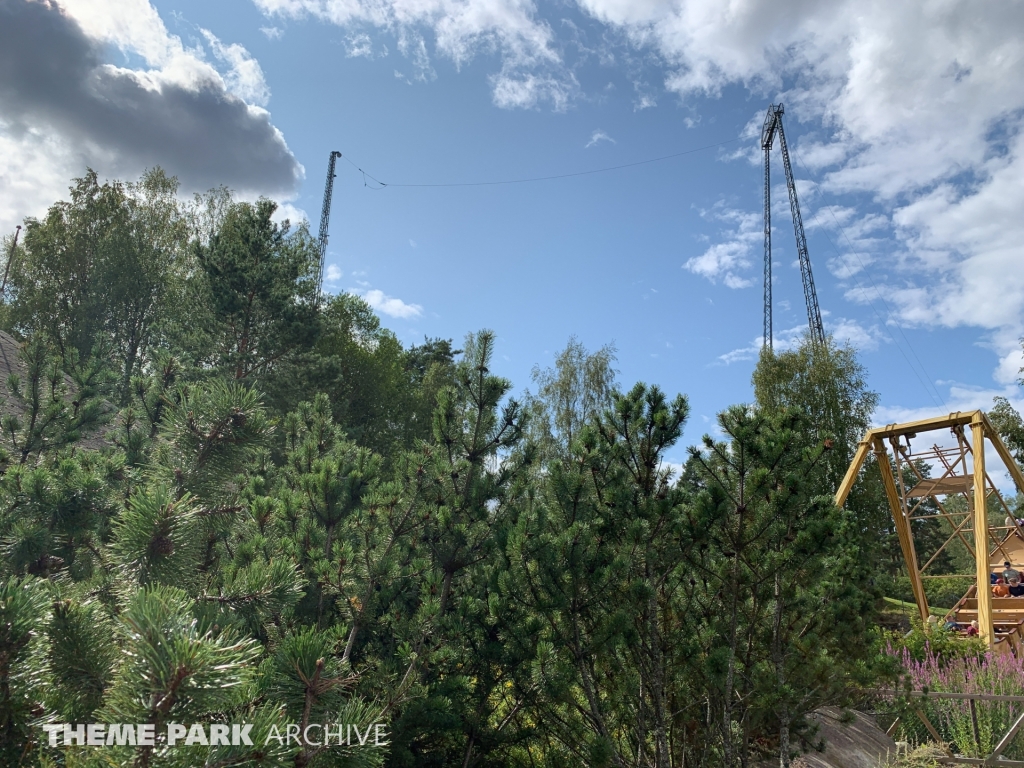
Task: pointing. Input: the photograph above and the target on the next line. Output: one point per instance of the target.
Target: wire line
(932, 391)
(546, 178)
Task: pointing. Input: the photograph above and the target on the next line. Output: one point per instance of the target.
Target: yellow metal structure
(965, 475)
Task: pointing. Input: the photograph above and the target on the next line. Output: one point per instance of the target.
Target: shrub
(987, 673)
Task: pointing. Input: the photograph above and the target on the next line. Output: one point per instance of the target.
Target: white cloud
(644, 101)
(725, 260)
(531, 71)
(245, 76)
(175, 109)
(518, 91)
(292, 213)
(718, 259)
(272, 33)
(332, 274)
(782, 341)
(847, 331)
(359, 44)
(919, 107)
(390, 305)
(843, 330)
(597, 137)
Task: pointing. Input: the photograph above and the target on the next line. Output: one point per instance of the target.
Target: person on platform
(1014, 526)
(972, 631)
(1000, 589)
(1009, 573)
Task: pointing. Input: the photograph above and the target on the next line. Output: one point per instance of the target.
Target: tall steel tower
(325, 218)
(772, 126)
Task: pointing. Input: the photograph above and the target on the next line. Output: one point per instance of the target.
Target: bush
(924, 642)
(988, 673)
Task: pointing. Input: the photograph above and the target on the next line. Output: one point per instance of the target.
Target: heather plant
(988, 673)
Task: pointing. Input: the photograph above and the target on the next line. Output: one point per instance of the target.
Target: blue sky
(904, 123)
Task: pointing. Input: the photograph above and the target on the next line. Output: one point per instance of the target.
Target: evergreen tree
(259, 288)
(294, 521)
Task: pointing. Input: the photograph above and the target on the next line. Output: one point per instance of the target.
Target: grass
(939, 612)
(924, 756)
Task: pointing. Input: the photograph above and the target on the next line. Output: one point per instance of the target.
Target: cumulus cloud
(915, 104)
(725, 260)
(843, 330)
(245, 76)
(391, 306)
(291, 213)
(61, 101)
(782, 341)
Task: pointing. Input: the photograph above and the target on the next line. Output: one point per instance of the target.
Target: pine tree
(24, 611)
(598, 556)
(257, 280)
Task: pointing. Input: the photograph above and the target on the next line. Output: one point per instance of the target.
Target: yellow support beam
(981, 555)
(981, 428)
(903, 531)
(924, 425)
(1004, 454)
(851, 474)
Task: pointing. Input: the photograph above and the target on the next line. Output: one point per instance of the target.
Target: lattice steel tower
(325, 218)
(773, 126)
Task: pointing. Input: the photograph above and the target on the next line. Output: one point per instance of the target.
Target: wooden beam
(851, 474)
(931, 729)
(903, 528)
(924, 425)
(1008, 737)
(944, 695)
(941, 486)
(1004, 454)
(981, 556)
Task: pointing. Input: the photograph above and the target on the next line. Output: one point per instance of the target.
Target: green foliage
(80, 650)
(47, 408)
(1009, 425)
(829, 385)
(924, 641)
(101, 270)
(258, 283)
(23, 613)
(294, 520)
(156, 539)
(579, 387)
(972, 728)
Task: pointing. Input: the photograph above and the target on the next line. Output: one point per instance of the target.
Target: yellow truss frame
(976, 492)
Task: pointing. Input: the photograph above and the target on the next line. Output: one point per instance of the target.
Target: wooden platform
(1007, 612)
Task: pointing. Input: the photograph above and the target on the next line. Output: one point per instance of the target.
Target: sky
(904, 122)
